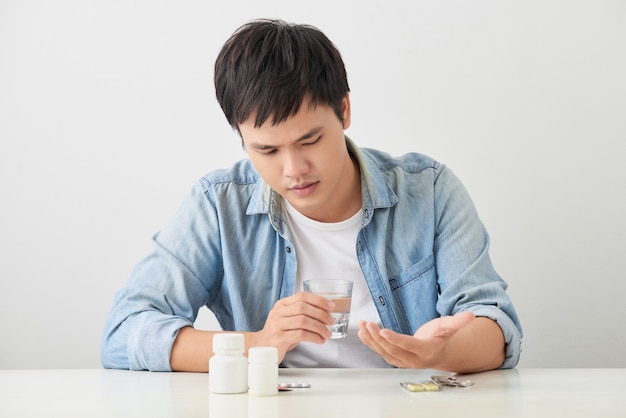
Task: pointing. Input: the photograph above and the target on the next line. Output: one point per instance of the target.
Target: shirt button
(288, 249)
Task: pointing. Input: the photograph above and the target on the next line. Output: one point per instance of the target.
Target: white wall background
(108, 115)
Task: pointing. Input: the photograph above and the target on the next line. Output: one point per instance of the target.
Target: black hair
(267, 68)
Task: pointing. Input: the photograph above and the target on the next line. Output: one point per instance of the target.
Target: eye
(270, 151)
(313, 142)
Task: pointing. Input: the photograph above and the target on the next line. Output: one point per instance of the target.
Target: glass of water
(340, 292)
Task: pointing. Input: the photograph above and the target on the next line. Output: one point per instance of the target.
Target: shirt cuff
(150, 343)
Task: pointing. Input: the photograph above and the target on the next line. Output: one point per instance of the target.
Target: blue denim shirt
(422, 249)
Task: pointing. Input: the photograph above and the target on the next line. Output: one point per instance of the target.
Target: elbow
(112, 354)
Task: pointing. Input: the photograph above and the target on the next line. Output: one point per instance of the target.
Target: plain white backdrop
(108, 116)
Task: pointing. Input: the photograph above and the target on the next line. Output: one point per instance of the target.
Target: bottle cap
(263, 355)
(228, 341)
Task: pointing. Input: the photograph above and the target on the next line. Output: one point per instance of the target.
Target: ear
(345, 111)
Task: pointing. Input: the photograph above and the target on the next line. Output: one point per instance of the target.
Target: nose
(294, 165)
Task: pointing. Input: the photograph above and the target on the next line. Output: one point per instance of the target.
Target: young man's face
(305, 159)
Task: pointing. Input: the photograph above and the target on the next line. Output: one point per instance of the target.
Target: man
(309, 203)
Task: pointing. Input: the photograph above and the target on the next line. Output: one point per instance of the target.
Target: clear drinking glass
(340, 292)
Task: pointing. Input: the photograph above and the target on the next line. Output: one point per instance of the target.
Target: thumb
(451, 324)
(445, 326)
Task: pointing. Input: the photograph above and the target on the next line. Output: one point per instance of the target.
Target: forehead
(262, 116)
(306, 122)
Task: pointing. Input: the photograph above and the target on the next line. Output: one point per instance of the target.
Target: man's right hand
(297, 318)
(301, 317)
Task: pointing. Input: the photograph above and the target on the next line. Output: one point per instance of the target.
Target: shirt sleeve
(164, 291)
(466, 277)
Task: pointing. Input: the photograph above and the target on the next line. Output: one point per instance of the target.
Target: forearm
(477, 347)
(193, 348)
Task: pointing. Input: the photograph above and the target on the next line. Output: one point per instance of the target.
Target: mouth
(303, 189)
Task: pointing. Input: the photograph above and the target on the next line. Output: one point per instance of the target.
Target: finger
(306, 324)
(370, 334)
(436, 330)
(365, 335)
(423, 348)
(288, 331)
(447, 326)
(369, 331)
(462, 319)
(400, 350)
(312, 299)
(312, 306)
(297, 336)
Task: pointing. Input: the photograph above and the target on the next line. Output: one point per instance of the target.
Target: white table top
(340, 393)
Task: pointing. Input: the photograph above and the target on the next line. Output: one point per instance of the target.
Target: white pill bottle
(262, 371)
(228, 367)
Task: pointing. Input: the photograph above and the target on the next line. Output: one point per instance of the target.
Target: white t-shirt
(328, 251)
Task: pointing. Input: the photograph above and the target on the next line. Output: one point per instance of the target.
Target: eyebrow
(303, 137)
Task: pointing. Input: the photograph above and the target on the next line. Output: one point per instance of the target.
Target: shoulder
(413, 173)
(241, 172)
(409, 163)
(239, 182)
